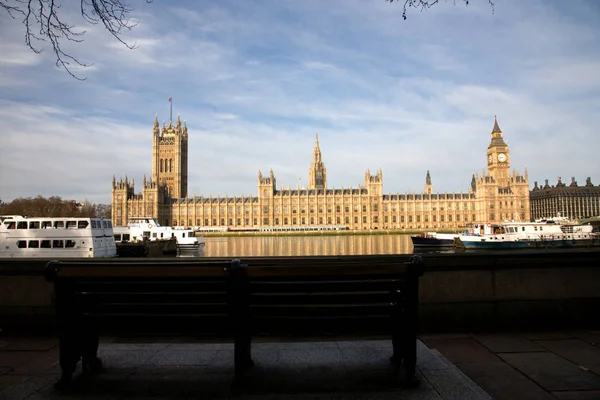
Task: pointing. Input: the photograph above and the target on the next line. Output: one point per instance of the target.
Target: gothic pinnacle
(496, 127)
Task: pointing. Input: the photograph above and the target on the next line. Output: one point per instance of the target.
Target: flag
(170, 99)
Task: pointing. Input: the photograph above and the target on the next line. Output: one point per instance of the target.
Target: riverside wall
(490, 291)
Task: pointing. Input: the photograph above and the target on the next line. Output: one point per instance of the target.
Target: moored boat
(434, 239)
(544, 234)
(56, 237)
(140, 229)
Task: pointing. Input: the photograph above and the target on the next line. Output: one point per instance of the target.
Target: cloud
(256, 81)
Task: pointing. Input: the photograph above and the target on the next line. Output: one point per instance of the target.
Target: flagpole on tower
(171, 113)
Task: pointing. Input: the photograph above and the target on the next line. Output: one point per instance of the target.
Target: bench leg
(89, 357)
(242, 352)
(69, 355)
(410, 361)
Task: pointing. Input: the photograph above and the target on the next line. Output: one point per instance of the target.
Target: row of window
(46, 244)
(46, 224)
(330, 220)
(311, 210)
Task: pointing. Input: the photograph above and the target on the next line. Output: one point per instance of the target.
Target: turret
(428, 186)
(317, 174)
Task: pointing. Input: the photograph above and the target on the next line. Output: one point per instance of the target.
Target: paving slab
(124, 359)
(463, 385)
(27, 344)
(183, 358)
(9, 380)
(508, 343)
(503, 382)
(574, 350)
(591, 337)
(578, 395)
(39, 361)
(552, 372)
(462, 350)
(343, 370)
(549, 335)
(14, 359)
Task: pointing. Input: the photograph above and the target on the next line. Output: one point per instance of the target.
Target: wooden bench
(287, 296)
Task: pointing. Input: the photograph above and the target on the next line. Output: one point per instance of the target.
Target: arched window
(171, 165)
(161, 165)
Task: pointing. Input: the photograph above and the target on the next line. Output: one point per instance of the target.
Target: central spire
(317, 150)
(317, 175)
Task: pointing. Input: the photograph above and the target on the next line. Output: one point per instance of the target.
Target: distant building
(495, 195)
(570, 201)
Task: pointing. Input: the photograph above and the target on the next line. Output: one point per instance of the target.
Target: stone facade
(495, 195)
(571, 201)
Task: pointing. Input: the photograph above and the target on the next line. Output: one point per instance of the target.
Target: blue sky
(255, 80)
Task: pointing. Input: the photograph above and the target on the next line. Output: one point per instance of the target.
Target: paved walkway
(458, 366)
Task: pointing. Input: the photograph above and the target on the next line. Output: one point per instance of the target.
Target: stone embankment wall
(515, 291)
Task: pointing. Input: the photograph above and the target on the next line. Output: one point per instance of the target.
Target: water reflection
(239, 246)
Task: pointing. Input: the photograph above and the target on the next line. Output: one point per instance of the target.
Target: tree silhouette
(44, 23)
(53, 206)
(425, 4)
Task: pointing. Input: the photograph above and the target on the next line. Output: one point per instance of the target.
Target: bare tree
(43, 23)
(425, 4)
(53, 206)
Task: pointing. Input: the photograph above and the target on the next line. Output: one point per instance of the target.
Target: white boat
(558, 232)
(56, 237)
(434, 239)
(138, 229)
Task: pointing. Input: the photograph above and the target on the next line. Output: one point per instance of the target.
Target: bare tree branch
(425, 4)
(44, 24)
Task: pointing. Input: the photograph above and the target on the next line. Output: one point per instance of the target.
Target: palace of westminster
(494, 196)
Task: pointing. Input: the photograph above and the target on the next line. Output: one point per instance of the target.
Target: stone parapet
(462, 291)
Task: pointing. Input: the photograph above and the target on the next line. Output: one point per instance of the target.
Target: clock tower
(498, 157)
(501, 195)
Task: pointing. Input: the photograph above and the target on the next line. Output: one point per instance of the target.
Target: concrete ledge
(458, 292)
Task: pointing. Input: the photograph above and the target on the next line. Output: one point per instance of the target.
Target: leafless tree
(425, 4)
(54, 206)
(44, 23)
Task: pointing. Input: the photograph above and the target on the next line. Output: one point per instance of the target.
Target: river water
(239, 246)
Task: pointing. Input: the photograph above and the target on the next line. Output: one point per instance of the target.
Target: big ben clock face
(502, 157)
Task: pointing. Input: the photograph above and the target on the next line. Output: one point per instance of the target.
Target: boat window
(58, 244)
(108, 224)
(69, 243)
(34, 225)
(10, 225)
(34, 244)
(126, 237)
(154, 234)
(541, 227)
(45, 244)
(117, 237)
(162, 234)
(523, 229)
(82, 224)
(71, 224)
(21, 244)
(103, 224)
(59, 224)
(46, 224)
(183, 234)
(94, 224)
(21, 224)
(535, 228)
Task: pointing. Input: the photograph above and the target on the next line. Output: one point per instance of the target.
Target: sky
(256, 80)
